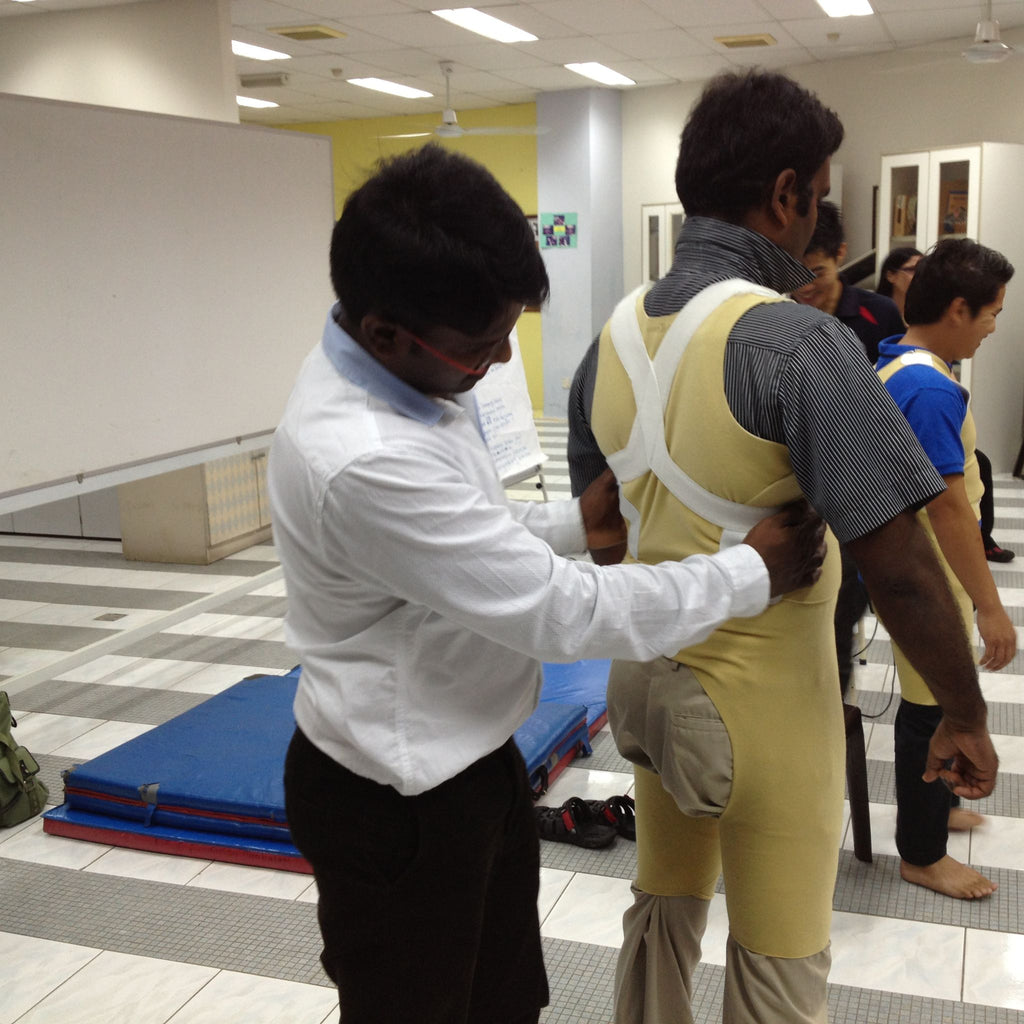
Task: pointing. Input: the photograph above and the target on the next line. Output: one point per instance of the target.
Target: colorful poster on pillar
(558, 230)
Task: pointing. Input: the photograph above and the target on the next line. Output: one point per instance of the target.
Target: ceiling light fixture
(845, 8)
(987, 47)
(249, 101)
(392, 88)
(257, 52)
(485, 25)
(599, 73)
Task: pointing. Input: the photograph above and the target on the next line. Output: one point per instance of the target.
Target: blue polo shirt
(934, 405)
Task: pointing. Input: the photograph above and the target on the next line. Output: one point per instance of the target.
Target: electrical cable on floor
(890, 678)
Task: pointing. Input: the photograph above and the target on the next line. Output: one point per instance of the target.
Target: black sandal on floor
(574, 822)
(619, 811)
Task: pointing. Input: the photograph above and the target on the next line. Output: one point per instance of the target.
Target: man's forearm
(911, 595)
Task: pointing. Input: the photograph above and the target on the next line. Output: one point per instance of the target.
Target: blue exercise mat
(209, 783)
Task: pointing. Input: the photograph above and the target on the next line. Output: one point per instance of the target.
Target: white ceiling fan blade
(512, 129)
(406, 135)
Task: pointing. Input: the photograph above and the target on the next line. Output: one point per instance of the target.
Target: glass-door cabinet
(662, 223)
(902, 199)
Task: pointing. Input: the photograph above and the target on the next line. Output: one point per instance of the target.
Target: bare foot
(949, 877)
(963, 820)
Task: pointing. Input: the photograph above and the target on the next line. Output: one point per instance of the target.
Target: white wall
(913, 100)
(165, 56)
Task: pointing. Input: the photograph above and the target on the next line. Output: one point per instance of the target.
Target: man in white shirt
(421, 602)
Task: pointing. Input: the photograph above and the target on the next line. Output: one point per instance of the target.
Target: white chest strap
(652, 380)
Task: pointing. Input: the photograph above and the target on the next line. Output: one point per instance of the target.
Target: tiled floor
(92, 934)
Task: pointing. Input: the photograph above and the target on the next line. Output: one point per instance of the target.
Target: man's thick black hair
(743, 132)
(894, 261)
(433, 240)
(828, 234)
(955, 268)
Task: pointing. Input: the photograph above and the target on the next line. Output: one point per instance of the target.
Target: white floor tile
(101, 739)
(149, 867)
(116, 988)
(25, 982)
(552, 885)
(105, 668)
(16, 660)
(883, 835)
(994, 969)
(1002, 687)
(231, 996)
(588, 784)
(880, 743)
(1011, 754)
(897, 956)
(284, 885)
(590, 910)
(37, 847)
(43, 733)
(999, 843)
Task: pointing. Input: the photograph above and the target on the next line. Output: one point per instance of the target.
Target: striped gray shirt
(793, 375)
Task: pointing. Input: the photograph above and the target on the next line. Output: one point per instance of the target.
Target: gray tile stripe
(100, 597)
(214, 650)
(228, 931)
(279, 939)
(42, 637)
(113, 703)
(115, 560)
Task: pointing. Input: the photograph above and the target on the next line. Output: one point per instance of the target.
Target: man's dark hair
(955, 268)
(828, 233)
(894, 261)
(743, 132)
(433, 240)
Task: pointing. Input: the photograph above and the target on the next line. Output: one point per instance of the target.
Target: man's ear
(958, 312)
(841, 255)
(784, 197)
(380, 336)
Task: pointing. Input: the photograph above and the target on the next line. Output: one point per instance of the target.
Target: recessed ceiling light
(845, 8)
(392, 88)
(257, 52)
(485, 25)
(599, 73)
(248, 101)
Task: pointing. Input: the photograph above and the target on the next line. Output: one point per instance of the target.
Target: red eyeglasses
(469, 371)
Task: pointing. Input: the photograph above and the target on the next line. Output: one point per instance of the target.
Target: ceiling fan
(987, 48)
(449, 128)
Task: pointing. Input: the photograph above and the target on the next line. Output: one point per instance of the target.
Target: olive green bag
(22, 794)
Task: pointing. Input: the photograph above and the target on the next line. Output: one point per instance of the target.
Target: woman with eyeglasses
(896, 273)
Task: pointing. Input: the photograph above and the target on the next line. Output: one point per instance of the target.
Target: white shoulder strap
(651, 381)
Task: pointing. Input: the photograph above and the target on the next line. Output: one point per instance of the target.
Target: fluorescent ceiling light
(845, 8)
(485, 25)
(23, 1)
(392, 88)
(599, 73)
(248, 101)
(257, 52)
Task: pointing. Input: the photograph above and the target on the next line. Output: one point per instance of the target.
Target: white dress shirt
(421, 600)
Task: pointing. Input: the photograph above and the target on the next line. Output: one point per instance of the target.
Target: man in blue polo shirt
(952, 305)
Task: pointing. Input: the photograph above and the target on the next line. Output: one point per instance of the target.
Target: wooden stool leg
(857, 783)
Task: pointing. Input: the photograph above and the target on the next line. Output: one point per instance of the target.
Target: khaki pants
(664, 722)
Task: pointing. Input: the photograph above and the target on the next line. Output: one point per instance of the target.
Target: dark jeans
(428, 903)
(851, 604)
(988, 511)
(922, 808)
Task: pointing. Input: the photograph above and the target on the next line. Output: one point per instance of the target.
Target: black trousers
(428, 903)
(988, 510)
(922, 808)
